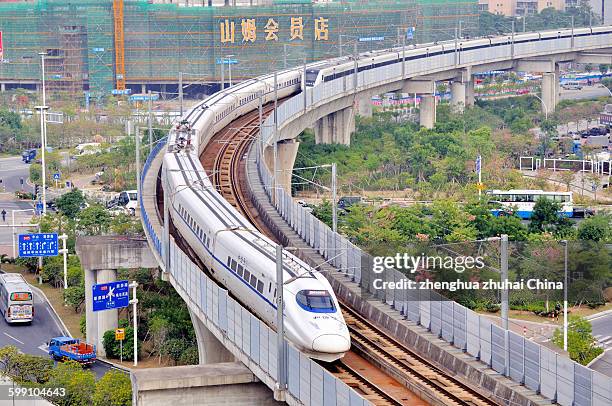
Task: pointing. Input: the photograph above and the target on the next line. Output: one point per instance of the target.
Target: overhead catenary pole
(565, 288)
(280, 326)
(222, 74)
(334, 198)
(275, 138)
(134, 302)
(504, 296)
(504, 279)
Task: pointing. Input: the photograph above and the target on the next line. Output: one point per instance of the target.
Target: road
(32, 339)
(587, 92)
(6, 231)
(602, 331)
(12, 170)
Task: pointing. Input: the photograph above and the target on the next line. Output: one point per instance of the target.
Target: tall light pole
(280, 327)
(134, 302)
(543, 104)
(334, 202)
(43, 132)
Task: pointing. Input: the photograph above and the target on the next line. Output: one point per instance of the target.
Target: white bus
(521, 201)
(16, 300)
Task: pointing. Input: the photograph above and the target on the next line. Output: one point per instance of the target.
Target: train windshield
(316, 301)
(311, 76)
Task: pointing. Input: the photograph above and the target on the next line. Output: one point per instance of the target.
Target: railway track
(406, 366)
(379, 368)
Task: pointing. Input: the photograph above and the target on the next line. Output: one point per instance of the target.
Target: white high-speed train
(241, 258)
(237, 255)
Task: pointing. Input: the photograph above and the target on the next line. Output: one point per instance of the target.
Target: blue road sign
(121, 91)
(410, 33)
(39, 208)
(226, 61)
(370, 39)
(112, 295)
(38, 245)
(144, 97)
(57, 176)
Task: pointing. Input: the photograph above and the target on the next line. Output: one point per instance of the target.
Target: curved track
(379, 368)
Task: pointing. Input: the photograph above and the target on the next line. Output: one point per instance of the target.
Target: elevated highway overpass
(330, 108)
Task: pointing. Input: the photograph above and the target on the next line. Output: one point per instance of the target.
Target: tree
(8, 360)
(580, 341)
(74, 297)
(546, 217)
(79, 384)
(596, 228)
(70, 203)
(94, 220)
(113, 389)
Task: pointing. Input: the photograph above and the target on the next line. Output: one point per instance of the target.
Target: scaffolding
(87, 52)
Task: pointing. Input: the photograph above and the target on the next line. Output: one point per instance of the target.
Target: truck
(28, 155)
(72, 349)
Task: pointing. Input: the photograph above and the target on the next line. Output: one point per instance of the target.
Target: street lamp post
(543, 104)
(134, 302)
(43, 132)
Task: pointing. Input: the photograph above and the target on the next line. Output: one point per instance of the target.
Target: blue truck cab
(73, 349)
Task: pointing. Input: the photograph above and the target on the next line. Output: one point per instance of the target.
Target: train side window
(229, 262)
(253, 281)
(270, 287)
(233, 265)
(240, 269)
(247, 275)
(260, 286)
(275, 293)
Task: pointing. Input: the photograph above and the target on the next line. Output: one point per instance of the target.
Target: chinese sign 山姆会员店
(248, 29)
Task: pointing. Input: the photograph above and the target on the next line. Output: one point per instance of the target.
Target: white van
(129, 200)
(571, 85)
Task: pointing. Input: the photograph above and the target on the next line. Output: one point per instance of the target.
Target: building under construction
(97, 46)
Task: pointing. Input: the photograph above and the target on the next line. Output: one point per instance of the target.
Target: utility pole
(180, 92)
(222, 74)
(304, 85)
(260, 144)
(340, 45)
(280, 326)
(134, 302)
(334, 199)
(166, 238)
(64, 251)
(356, 71)
(150, 122)
(565, 289)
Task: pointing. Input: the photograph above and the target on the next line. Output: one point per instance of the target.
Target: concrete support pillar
(287, 152)
(210, 350)
(469, 93)
(364, 106)
(336, 128)
(2, 87)
(458, 101)
(323, 130)
(98, 322)
(549, 92)
(91, 319)
(427, 116)
(344, 126)
(143, 88)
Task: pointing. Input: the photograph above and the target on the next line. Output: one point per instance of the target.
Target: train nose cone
(331, 343)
